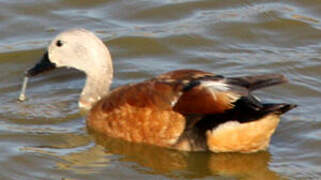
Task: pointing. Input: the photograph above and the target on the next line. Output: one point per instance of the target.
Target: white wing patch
(215, 87)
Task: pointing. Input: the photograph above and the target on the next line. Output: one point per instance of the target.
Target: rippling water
(46, 137)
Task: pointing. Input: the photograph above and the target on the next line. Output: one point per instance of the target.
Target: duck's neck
(97, 86)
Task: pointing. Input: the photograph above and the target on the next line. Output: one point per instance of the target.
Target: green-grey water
(45, 137)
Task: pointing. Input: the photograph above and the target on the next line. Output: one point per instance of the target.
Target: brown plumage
(189, 110)
(168, 111)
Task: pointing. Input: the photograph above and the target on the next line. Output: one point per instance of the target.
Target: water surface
(46, 136)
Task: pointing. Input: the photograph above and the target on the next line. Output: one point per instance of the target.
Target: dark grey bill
(42, 66)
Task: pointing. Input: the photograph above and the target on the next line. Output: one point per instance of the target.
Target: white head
(82, 50)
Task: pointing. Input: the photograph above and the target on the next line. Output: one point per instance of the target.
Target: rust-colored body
(159, 111)
(139, 113)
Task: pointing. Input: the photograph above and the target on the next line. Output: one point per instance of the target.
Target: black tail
(242, 114)
(258, 81)
(250, 109)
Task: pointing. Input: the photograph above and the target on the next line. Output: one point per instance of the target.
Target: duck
(185, 109)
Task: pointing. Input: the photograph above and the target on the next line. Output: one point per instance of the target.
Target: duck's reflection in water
(155, 160)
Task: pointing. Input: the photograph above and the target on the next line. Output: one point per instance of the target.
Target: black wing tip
(258, 81)
(277, 78)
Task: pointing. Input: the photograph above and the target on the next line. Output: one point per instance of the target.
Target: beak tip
(27, 73)
(31, 72)
(43, 65)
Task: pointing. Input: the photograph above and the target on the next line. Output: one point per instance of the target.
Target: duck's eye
(59, 43)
